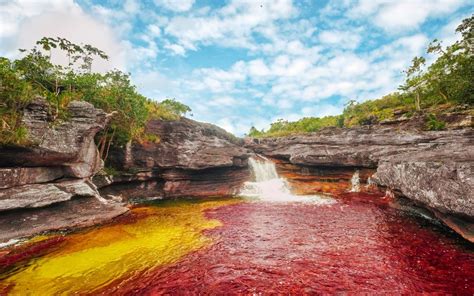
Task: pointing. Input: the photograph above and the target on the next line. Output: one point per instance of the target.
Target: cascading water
(268, 186)
(355, 182)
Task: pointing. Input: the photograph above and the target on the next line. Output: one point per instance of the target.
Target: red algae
(295, 248)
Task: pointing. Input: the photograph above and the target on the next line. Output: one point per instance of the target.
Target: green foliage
(111, 171)
(449, 81)
(35, 74)
(254, 132)
(15, 94)
(175, 107)
(433, 124)
(305, 125)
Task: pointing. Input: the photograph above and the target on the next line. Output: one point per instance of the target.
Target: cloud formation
(241, 63)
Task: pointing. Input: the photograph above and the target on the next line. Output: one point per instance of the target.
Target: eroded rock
(191, 159)
(40, 195)
(432, 168)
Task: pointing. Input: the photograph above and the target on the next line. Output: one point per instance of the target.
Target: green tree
(175, 107)
(415, 81)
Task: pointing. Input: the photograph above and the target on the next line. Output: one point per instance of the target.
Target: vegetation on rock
(446, 83)
(36, 75)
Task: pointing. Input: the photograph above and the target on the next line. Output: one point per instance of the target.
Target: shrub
(433, 124)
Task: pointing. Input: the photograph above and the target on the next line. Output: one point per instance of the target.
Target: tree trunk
(101, 144)
(108, 146)
(417, 101)
(445, 97)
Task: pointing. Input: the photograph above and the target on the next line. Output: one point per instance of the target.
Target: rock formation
(191, 159)
(55, 168)
(434, 169)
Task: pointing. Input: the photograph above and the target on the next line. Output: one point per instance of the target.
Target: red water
(349, 247)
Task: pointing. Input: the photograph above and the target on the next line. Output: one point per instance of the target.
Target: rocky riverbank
(190, 159)
(57, 182)
(433, 169)
(47, 184)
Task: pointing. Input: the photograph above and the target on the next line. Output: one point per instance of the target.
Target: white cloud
(31, 20)
(397, 16)
(175, 5)
(230, 26)
(343, 39)
(176, 49)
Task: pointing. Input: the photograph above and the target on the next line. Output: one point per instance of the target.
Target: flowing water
(268, 186)
(273, 243)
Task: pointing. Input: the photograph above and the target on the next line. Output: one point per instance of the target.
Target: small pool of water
(238, 246)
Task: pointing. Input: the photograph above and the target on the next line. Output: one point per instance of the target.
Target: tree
(254, 132)
(414, 80)
(175, 107)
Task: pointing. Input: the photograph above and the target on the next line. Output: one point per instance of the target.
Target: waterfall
(268, 186)
(370, 183)
(355, 182)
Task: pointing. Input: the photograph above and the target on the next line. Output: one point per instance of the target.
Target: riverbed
(247, 246)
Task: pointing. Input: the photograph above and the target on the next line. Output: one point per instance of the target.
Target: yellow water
(89, 260)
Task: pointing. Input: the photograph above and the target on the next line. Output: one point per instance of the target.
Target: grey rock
(10, 177)
(75, 213)
(40, 195)
(186, 144)
(434, 168)
(57, 143)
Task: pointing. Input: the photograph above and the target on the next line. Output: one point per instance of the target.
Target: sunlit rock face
(68, 144)
(53, 169)
(432, 168)
(191, 159)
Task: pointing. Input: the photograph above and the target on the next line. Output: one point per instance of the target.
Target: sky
(245, 63)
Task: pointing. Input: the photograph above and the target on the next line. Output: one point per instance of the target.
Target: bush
(433, 124)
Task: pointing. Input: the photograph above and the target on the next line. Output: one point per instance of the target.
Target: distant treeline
(447, 82)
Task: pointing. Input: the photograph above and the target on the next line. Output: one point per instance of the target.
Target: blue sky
(243, 63)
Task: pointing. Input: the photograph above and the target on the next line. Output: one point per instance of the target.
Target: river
(267, 241)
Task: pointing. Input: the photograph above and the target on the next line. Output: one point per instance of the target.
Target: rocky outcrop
(355, 147)
(307, 180)
(74, 213)
(432, 168)
(54, 168)
(191, 159)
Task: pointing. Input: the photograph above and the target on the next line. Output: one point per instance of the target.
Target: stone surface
(432, 168)
(441, 178)
(192, 159)
(10, 177)
(40, 195)
(185, 144)
(57, 143)
(75, 213)
(51, 171)
(355, 147)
